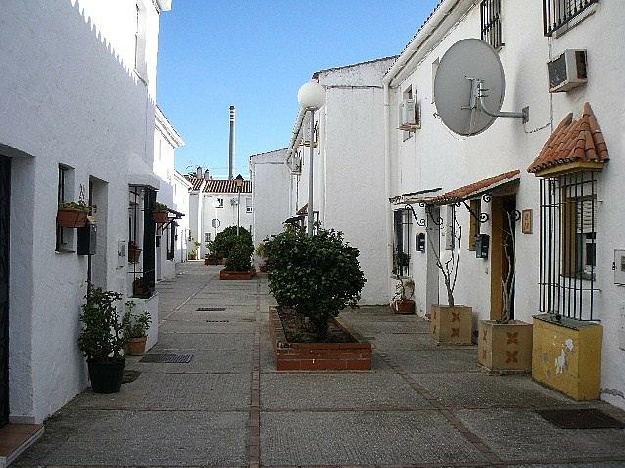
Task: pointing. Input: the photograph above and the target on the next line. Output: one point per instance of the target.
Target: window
(207, 237)
(402, 227)
(140, 64)
(490, 12)
(65, 190)
(408, 113)
(219, 203)
(171, 240)
(248, 205)
(474, 222)
(558, 13)
(568, 235)
(435, 65)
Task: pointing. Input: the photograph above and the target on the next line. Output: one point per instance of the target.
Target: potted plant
(312, 279)
(239, 261)
(225, 239)
(402, 302)
(211, 257)
(134, 252)
(261, 251)
(451, 323)
(136, 327)
(141, 290)
(73, 214)
(102, 339)
(160, 213)
(505, 345)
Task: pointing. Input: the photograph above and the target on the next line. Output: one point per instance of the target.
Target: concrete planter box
(317, 356)
(211, 261)
(236, 275)
(505, 347)
(567, 356)
(451, 325)
(404, 307)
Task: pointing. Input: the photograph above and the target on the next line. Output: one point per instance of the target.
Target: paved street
(420, 405)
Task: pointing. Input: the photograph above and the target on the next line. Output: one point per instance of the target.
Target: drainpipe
(387, 183)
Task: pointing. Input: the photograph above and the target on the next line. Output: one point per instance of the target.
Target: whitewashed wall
(227, 215)
(435, 157)
(66, 98)
(181, 204)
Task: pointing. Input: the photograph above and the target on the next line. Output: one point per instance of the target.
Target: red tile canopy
(573, 141)
(475, 189)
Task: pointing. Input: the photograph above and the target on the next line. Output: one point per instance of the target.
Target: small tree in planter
(102, 339)
(136, 326)
(451, 323)
(505, 345)
(211, 257)
(73, 214)
(402, 303)
(239, 261)
(225, 239)
(316, 276)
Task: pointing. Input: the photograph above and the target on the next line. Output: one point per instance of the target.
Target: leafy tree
(315, 276)
(240, 256)
(225, 239)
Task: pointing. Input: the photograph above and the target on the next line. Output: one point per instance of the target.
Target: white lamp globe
(311, 95)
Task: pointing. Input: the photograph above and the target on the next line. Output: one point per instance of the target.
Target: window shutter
(585, 217)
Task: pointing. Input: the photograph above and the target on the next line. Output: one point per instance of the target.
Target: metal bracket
(419, 222)
(482, 218)
(478, 93)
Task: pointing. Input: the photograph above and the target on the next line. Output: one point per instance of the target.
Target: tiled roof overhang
(477, 189)
(226, 186)
(196, 182)
(573, 145)
(303, 210)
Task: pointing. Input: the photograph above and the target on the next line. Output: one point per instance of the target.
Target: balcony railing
(558, 13)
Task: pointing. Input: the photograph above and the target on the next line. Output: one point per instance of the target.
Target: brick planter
(317, 356)
(236, 275)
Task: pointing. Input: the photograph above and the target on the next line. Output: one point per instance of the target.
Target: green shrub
(101, 337)
(136, 325)
(315, 276)
(225, 239)
(240, 256)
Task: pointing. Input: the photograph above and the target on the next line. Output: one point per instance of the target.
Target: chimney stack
(231, 142)
(207, 175)
(198, 172)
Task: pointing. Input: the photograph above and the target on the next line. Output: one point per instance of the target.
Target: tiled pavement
(421, 405)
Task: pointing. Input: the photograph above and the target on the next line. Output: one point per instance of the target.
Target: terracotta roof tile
(474, 189)
(573, 140)
(196, 182)
(226, 186)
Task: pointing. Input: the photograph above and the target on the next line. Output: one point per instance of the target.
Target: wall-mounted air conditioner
(568, 71)
(409, 115)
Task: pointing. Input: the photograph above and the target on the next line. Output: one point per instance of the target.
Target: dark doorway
(502, 256)
(5, 198)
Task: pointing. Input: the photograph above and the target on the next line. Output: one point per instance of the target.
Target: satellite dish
(469, 88)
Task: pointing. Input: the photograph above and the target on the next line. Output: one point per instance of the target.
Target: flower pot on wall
(136, 346)
(404, 306)
(451, 325)
(71, 218)
(133, 254)
(106, 376)
(160, 217)
(567, 355)
(505, 347)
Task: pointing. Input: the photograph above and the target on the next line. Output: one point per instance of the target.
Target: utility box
(86, 240)
(619, 267)
(482, 243)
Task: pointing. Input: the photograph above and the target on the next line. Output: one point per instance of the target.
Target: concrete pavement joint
(254, 429)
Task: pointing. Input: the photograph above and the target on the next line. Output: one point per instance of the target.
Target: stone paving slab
(203, 342)
(125, 438)
(230, 361)
(326, 391)
(189, 326)
(489, 391)
(442, 360)
(189, 392)
(519, 434)
(371, 438)
(403, 342)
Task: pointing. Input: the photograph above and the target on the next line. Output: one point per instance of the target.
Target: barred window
(491, 22)
(402, 226)
(558, 13)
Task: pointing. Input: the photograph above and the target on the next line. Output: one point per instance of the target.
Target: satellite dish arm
(477, 93)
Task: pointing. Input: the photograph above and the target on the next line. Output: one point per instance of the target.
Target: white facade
(181, 204)
(433, 157)
(348, 174)
(271, 182)
(69, 96)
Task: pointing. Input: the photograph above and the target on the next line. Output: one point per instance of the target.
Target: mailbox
(482, 242)
(420, 242)
(86, 240)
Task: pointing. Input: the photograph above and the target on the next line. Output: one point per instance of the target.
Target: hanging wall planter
(134, 252)
(160, 213)
(72, 214)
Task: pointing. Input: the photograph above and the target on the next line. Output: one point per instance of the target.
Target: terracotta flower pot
(160, 217)
(133, 255)
(404, 307)
(70, 218)
(136, 346)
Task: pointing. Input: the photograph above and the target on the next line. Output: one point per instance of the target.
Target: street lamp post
(238, 182)
(311, 96)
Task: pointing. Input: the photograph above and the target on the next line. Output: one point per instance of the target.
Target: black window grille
(568, 245)
(402, 226)
(490, 11)
(142, 241)
(171, 241)
(557, 13)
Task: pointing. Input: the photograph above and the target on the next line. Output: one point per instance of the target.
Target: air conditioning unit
(568, 71)
(234, 201)
(409, 115)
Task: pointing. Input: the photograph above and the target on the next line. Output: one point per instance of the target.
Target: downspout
(387, 182)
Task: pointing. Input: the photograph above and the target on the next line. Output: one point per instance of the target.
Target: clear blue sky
(255, 54)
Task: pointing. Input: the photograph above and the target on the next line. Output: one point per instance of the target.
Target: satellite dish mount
(477, 102)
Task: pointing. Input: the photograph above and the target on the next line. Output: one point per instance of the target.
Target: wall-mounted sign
(527, 222)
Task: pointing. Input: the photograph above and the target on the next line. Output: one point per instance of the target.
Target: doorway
(5, 199)
(502, 256)
(433, 236)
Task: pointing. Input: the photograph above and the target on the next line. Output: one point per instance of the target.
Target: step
(15, 439)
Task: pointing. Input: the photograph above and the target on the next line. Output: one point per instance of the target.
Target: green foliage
(80, 205)
(101, 337)
(136, 325)
(159, 207)
(261, 250)
(225, 239)
(240, 256)
(315, 276)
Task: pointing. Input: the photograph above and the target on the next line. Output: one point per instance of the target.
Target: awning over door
(477, 189)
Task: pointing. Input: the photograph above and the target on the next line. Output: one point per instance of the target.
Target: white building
(271, 182)
(76, 115)
(214, 205)
(431, 168)
(349, 192)
(173, 192)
